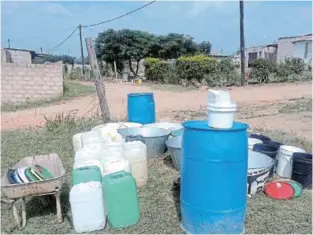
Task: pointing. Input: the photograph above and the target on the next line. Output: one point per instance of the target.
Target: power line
(121, 16)
(91, 25)
(68, 37)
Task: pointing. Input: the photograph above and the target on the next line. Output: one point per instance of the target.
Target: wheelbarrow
(11, 193)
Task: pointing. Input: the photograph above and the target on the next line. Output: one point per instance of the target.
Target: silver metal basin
(174, 148)
(154, 138)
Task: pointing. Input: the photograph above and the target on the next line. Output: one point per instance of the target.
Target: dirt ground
(260, 106)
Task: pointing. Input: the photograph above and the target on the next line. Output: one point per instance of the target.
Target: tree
(124, 45)
(134, 45)
(204, 47)
(175, 45)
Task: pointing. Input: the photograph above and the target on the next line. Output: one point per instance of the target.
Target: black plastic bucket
(302, 169)
(275, 143)
(269, 150)
(264, 138)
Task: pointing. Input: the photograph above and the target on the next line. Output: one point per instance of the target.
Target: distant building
(285, 47)
(268, 52)
(17, 56)
(303, 48)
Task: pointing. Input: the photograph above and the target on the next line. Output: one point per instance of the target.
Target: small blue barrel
(213, 178)
(141, 108)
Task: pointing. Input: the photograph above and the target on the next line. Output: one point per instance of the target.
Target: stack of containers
(102, 168)
(86, 195)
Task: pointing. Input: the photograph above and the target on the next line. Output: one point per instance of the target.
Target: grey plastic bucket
(259, 166)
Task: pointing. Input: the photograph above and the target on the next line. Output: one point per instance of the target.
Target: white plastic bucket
(221, 117)
(285, 160)
(252, 142)
(221, 109)
(259, 166)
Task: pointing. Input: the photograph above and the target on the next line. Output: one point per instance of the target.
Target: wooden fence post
(99, 82)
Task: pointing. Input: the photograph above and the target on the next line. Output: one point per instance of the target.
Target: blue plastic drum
(214, 178)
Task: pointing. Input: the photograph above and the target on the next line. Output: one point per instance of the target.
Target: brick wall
(30, 82)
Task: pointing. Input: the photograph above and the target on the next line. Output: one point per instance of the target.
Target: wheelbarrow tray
(51, 162)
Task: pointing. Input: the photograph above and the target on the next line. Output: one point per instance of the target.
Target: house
(268, 52)
(285, 47)
(303, 48)
(17, 56)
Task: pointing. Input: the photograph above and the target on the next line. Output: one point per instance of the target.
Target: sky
(35, 25)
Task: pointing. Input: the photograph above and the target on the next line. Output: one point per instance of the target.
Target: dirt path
(165, 101)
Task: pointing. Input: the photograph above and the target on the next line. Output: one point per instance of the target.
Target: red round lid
(279, 190)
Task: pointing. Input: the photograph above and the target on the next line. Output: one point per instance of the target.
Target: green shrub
(224, 74)
(194, 67)
(157, 70)
(295, 65)
(261, 70)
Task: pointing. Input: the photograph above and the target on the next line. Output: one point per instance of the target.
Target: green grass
(71, 90)
(159, 204)
(298, 105)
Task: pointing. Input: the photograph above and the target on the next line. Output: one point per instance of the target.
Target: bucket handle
(298, 173)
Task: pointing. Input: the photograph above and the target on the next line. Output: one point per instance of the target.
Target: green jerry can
(121, 200)
(86, 174)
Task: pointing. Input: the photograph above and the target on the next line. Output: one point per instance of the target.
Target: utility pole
(242, 42)
(99, 82)
(9, 46)
(81, 47)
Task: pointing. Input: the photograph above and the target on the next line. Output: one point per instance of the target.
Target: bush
(261, 70)
(224, 74)
(194, 67)
(295, 65)
(157, 70)
(75, 74)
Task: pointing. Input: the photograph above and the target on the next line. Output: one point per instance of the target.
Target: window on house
(252, 57)
(260, 53)
(306, 50)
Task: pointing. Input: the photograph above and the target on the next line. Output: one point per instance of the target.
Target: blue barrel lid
(141, 94)
(203, 125)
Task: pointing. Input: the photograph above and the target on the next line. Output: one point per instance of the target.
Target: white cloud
(57, 9)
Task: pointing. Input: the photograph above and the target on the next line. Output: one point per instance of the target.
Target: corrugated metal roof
(304, 38)
(17, 49)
